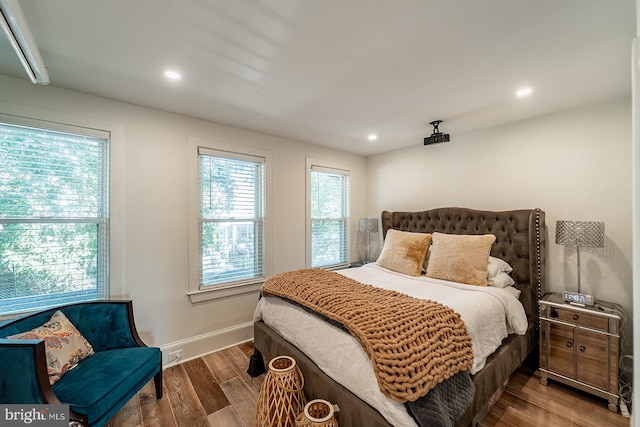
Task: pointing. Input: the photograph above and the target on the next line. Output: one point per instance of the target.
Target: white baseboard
(198, 346)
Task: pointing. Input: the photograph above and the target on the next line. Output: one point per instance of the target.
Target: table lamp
(368, 226)
(579, 234)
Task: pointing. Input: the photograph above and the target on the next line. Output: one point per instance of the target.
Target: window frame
(105, 235)
(323, 165)
(196, 292)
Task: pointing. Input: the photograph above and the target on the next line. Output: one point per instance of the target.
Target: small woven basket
(317, 413)
(281, 397)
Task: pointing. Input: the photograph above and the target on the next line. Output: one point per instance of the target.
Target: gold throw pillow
(460, 258)
(404, 252)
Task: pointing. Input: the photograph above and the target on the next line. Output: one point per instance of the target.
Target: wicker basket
(281, 397)
(317, 413)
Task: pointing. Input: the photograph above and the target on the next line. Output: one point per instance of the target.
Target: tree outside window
(329, 209)
(53, 217)
(231, 224)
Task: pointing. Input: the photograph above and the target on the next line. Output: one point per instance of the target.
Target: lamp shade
(368, 224)
(580, 233)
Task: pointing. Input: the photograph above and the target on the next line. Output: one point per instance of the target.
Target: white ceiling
(330, 72)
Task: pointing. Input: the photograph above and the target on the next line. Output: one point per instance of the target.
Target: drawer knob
(576, 317)
(569, 344)
(582, 348)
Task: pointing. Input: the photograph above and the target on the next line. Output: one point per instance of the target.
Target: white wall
(150, 209)
(574, 165)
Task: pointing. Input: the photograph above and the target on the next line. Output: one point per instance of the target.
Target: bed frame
(520, 241)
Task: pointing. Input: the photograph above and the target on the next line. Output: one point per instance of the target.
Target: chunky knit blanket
(413, 344)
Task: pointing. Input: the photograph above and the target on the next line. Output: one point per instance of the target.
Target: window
(329, 216)
(231, 223)
(54, 215)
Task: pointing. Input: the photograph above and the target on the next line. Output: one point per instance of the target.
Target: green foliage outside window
(231, 219)
(53, 217)
(329, 216)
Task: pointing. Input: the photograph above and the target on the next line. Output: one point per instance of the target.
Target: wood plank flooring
(215, 391)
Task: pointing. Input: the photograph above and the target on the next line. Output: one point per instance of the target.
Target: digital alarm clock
(577, 298)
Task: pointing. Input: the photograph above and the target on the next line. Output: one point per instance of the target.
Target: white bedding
(489, 314)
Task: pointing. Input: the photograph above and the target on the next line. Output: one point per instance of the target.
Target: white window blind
(232, 217)
(329, 217)
(54, 216)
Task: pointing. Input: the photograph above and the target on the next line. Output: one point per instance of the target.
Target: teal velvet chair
(99, 385)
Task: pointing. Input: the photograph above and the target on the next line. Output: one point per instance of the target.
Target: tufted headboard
(520, 240)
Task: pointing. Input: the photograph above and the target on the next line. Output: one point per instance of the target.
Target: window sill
(336, 267)
(217, 292)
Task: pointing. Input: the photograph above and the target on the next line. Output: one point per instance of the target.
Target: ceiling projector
(437, 136)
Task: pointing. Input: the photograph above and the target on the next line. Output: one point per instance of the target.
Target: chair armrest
(23, 373)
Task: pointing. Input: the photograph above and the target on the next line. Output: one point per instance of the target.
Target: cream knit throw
(413, 344)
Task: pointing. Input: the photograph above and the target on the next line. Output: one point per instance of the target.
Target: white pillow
(513, 291)
(500, 280)
(496, 265)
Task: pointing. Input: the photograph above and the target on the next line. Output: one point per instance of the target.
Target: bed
(519, 241)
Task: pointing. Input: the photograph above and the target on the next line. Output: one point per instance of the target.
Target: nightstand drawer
(581, 319)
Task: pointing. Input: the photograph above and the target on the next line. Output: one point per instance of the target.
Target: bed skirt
(355, 413)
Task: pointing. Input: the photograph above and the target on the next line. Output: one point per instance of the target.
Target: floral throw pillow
(65, 345)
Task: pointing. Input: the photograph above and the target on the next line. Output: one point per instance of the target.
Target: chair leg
(157, 379)
(81, 419)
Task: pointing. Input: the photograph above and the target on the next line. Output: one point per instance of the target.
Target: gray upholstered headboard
(520, 240)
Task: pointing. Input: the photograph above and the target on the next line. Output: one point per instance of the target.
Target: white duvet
(489, 313)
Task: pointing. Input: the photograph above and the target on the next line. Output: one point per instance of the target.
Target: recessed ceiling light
(372, 137)
(172, 75)
(525, 91)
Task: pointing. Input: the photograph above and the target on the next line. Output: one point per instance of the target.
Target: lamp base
(577, 298)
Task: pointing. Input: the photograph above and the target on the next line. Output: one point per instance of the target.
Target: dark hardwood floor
(215, 391)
